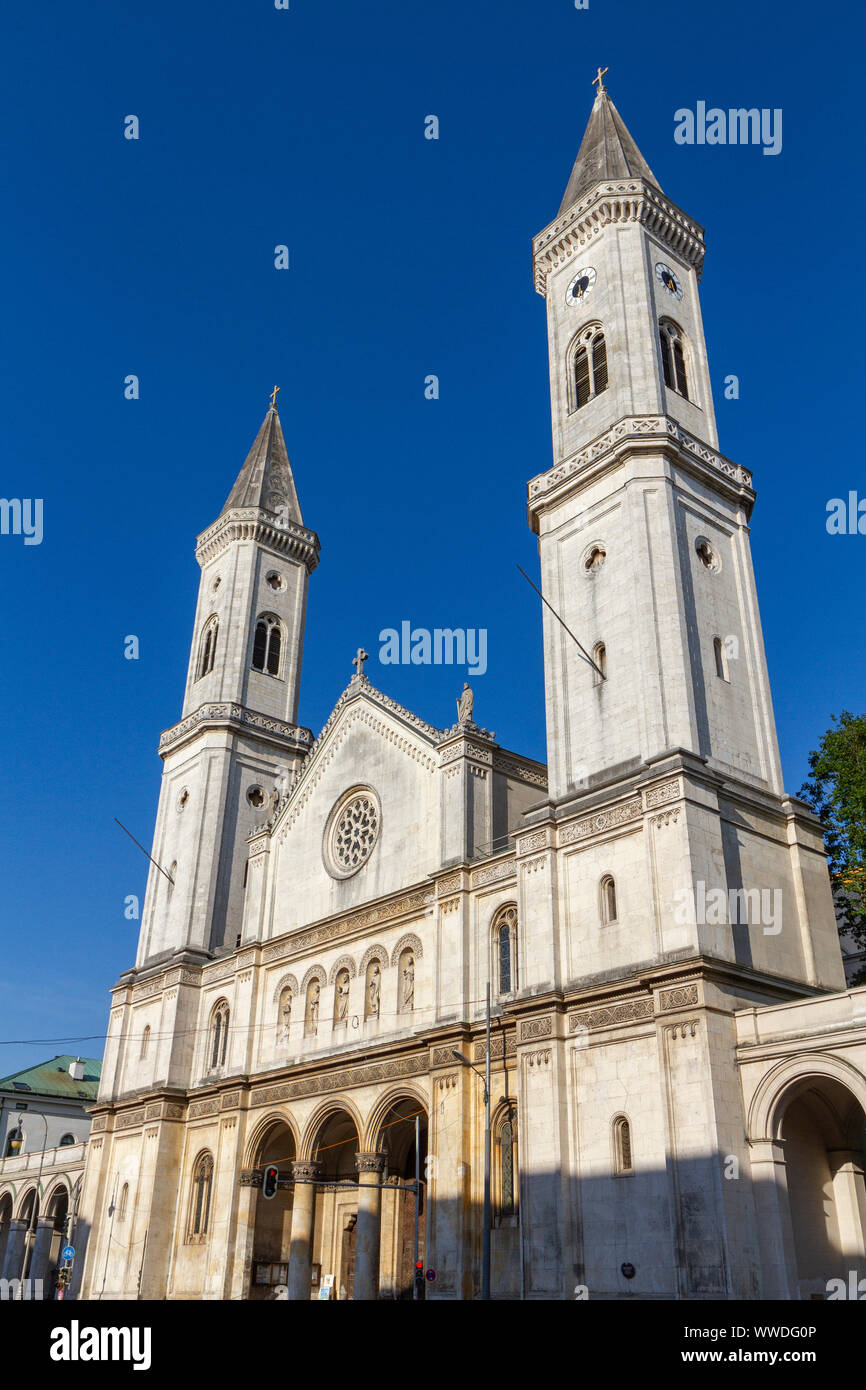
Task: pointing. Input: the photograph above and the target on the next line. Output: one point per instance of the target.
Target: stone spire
(266, 481)
(607, 151)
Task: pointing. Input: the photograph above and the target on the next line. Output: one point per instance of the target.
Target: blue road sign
(68, 1252)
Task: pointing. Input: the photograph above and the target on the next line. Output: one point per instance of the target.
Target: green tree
(836, 790)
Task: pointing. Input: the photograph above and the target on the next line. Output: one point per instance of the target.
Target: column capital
(306, 1170)
(369, 1162)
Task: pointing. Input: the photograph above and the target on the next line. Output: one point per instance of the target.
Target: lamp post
(485, 1080)
(31, 1228)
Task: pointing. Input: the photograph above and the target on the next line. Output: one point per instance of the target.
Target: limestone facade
(678, 1072)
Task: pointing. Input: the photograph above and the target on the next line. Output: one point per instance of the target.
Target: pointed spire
(607, 151)
(266, 481)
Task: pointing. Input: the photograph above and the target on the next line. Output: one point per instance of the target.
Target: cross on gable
(358, 660)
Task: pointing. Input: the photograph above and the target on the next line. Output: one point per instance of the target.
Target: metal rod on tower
(583, 650)
(144, 851)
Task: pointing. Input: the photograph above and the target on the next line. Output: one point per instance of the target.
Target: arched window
(124, 1198)
(599, 656)
(607, 893)
(202, 1182)
(267, 644)
(673, 357)
(219, 1034)
(66, 1140)
(589, 366)
(145, 1041)
(505, 1185)
(208, 648)
(720, 657)
(14, 1142)
(505, 948)
(622, 1145)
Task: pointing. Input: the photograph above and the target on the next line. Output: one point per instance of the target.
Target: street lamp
(485, 1081)
(34, 1209)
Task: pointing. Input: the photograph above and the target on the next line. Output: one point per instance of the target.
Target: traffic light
(419, 1278)
(269, 1182)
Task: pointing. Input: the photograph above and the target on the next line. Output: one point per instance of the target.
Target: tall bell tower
(237, 739)
(643, 525)
(643, 533)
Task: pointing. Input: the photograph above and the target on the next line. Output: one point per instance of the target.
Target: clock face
(581, 285)
(666, 277)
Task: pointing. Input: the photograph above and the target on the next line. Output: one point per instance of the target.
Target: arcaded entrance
(273, 1224)
(822, 1131)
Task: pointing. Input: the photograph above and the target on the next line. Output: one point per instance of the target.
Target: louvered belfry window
(590, 366)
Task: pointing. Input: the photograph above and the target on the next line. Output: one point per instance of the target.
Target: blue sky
(408, 257)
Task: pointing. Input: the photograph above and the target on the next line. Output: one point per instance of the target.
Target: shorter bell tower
(237, 743)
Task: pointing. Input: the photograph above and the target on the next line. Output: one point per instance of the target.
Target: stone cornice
(256, 524)
(622, 200)
(653, 432)
(227, 714)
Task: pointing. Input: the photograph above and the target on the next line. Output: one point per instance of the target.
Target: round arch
(386, 1102)
(24, 1204)
(783, 1082)
(259, 1134)
(326, 1111)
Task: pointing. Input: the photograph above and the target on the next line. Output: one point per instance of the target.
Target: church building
(678, 1072)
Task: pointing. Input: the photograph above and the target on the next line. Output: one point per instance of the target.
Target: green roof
(52, 1079)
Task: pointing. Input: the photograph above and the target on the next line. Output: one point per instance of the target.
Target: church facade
(678, 1073)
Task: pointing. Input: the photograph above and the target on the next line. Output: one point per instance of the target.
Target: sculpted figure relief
(407, 983)
(341, 997)
(464, 705)
(374, 982)
(313, 993)
(285, 1015)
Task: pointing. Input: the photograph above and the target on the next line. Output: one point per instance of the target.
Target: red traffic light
(270, 1180)
(419, 1264)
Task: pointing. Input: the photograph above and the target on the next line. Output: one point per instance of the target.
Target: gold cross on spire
(276, 388)
(599, 80)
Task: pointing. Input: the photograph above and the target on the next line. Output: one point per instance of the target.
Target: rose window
(354, 830)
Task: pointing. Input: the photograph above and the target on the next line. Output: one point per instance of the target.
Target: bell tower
(643, 535)
(643, 526)
(237, 742)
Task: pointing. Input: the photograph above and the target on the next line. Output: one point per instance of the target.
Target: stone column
(368, 1233)
(775, 1231)
(15, 1250)
(240, 1257)
(42, 1248)
(303, 1215)
(846, 1165)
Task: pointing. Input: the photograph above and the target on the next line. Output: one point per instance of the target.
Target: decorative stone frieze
(300, 942)
(629, 1011)
(681, 997)
(494, 872)
(601, 821)
(345, 1079)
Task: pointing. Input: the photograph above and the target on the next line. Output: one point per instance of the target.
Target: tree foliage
(836, 790)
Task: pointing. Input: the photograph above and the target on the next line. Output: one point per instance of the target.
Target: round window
(352, 831)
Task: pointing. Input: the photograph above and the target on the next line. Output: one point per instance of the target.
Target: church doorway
(273, 1228)
(397, 1141)
(336, 1202)
(823, 1133)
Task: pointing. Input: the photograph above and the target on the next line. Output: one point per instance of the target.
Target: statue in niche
(464, 705)
(407, 983)
(285, 1015)
(313, 993)
(341, 999)
(374, 985)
